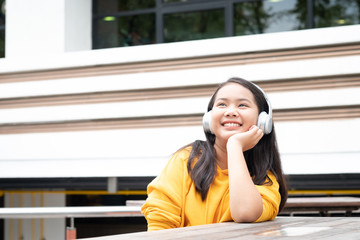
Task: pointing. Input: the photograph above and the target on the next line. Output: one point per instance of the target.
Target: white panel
(279, 100)
(78, 25)
(105, 110)
(338, 135)
(321, 163)
(229, 45)
(305, 147)
(134, 152)
(320, 146)
(315, 98)
(253, 72)
(34, 28)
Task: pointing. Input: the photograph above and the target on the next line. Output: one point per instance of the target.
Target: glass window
(169, 1)
(125, 31)
(2, 44)
(119, 23)
(113, 6)
(330, 13)
(125, 5)
(267, 16)
(2, 28)
(194, 25)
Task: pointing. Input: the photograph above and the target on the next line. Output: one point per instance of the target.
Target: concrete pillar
(78, 25)
(47, 27)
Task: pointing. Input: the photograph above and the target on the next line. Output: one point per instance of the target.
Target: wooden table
(322, 204)
(330, 228)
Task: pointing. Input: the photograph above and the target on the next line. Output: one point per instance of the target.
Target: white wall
(47, 27)
(93, 153)
(78, 25)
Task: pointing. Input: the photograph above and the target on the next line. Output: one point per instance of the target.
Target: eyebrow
(238, 99)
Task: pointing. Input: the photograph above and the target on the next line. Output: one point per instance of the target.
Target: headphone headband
(266, 99)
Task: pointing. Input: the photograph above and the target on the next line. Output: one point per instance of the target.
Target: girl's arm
(245, 200)
(163, 207)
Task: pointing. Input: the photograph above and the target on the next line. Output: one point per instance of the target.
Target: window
(194, 25)
(2, 28)
(119, 23)
(266, 16)
(330, 13)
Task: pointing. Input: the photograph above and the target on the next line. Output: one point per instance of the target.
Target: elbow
(246, 215)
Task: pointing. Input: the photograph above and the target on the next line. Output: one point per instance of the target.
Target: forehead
(234, 91)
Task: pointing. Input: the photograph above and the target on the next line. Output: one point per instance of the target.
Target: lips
(231, 124)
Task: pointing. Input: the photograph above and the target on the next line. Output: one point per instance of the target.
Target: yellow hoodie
(174, 202)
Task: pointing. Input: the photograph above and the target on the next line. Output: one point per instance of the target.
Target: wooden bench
(322, 205)
(69, 212)
(305, 204)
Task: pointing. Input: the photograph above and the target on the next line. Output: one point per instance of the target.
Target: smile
(232, 125)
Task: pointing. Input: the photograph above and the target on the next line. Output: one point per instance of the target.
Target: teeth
(232, 125)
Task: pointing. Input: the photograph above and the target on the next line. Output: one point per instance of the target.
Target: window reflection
(2, 28)
(111, 6)
(194, 25)
(119, 23)
(169, 1)
(330, 13)
(125, 31)
(266, 16)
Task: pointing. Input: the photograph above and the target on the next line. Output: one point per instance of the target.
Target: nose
(232, 112)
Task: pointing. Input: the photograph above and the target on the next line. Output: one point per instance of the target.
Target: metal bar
(69, 212)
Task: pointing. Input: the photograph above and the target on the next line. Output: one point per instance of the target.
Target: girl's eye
(242, 105)
(221, 105)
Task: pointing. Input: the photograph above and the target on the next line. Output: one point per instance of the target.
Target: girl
(235, 175)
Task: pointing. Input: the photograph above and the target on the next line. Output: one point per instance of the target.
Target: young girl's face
(234, 111)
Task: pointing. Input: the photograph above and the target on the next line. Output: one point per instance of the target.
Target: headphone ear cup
(207, 122)
(265, 122)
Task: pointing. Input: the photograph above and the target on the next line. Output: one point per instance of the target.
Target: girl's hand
(246, 140)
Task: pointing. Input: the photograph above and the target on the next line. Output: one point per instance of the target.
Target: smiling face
(234, 111)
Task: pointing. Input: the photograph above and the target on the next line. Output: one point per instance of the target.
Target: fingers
(247, 140)
(257, 133)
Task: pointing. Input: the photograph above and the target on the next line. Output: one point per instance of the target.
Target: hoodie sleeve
(163, 207)
(271, 199)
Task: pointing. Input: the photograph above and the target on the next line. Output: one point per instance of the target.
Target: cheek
(215, 117)
(253, 118)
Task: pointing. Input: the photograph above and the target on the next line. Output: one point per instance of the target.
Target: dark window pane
(126, 5)
(125, 31)
(169, 1)
(267, 16)
(329, 13)
(113, 6)
(2, 13)
(2, 44)
(2, 28)
(194, 25)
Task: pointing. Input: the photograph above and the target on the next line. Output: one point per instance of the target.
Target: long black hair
(260, 159)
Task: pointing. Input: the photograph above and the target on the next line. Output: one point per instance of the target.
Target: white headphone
(264, 119)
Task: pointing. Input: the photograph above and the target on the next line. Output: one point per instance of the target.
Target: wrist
(233, 144)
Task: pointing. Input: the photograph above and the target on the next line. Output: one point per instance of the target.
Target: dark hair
(262, 158)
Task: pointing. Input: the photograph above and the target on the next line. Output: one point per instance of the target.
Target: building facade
(88, 96)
